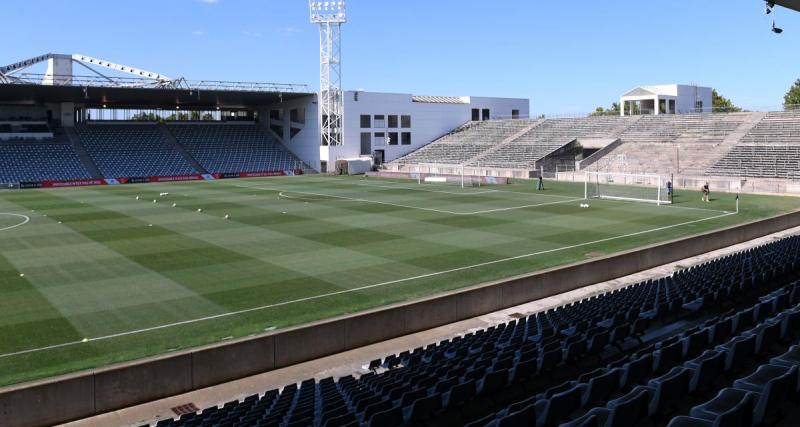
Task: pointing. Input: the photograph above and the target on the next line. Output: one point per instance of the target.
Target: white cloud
(198, 33)
(209, 1)
(252, 34)
(293, 30)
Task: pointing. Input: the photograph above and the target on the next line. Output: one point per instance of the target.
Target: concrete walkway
(355, 362)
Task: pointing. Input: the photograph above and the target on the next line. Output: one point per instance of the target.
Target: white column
(655, 105)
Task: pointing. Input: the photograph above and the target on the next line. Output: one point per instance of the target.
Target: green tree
(721, 104)
(791, 101)
(602, 111)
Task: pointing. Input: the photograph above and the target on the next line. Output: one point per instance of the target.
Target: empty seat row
(610, 347)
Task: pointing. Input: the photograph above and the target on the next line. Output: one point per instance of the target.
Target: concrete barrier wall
(93, 392)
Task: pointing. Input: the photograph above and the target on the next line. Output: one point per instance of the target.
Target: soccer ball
(199, 210)
(227, 216)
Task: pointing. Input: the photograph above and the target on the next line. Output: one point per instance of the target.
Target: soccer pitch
(96, 275)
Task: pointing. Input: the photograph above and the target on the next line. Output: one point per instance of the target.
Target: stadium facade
(380, 126)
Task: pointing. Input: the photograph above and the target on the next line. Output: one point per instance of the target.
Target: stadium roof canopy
(791, 4)
(123, 97)
(137, 88)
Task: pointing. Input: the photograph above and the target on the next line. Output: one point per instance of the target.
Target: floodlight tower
(330, 15)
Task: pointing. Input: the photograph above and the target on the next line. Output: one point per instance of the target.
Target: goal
(445, 174)
(623, 186)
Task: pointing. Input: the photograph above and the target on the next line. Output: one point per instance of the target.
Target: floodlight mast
(329, 16)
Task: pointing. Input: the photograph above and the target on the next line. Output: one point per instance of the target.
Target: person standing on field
(706, 193)
(540, 183)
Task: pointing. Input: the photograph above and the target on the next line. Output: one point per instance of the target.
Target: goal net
(630, 187)
(445, 174)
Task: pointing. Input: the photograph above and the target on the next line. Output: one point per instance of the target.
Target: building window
(365, 121)
(273, 114)
(698, 106)
(476, 114)
(298, 115)
(366, 143)
(405, 138)
(514, 114)
(405, 121)
(392, 140)
(393, 121)
(380, 121)
(485, 114)
(380, 139)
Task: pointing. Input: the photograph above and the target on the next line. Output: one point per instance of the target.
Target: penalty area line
(347, 291)
(282, 193)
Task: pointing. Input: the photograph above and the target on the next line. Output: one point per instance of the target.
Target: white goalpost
(647, 188)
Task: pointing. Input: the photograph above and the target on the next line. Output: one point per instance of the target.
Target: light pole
(330, 15)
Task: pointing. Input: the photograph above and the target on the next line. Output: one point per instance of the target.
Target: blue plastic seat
(706, 369)
(728, 401)
(558, 407)
(667, 390)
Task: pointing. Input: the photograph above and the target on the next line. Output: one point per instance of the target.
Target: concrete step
(86, 159)
(181, 149)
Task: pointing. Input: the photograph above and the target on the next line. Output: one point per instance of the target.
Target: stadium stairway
(180, 148)
(476, 160)
(83, 155)
(654, 144)
(638, 356)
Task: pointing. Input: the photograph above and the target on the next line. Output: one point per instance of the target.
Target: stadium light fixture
(327, 12)
(329, 16)
(776, 29)
(768, 7)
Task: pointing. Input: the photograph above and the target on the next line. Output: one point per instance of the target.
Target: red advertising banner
(176, 178)
(258, 174)
(146, 179)
(73, 183)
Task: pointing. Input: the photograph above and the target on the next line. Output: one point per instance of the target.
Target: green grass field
(96, 276)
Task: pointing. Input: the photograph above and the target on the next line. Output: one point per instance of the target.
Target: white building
(386, 126)
(666, 99)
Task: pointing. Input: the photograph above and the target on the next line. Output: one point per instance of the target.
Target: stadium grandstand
(180, 253)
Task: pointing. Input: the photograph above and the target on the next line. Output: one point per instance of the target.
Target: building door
(378, 157)
(476, 114)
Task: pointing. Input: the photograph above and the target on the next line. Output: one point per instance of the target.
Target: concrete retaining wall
(88, 393)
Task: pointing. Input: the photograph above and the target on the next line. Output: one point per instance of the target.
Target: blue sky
(567, 57)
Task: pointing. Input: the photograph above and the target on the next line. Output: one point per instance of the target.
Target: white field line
(354, 199)
(695, 209)
(474, 192)
(456, 193)
(346, 291)
(25, 220)
(399, 186)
